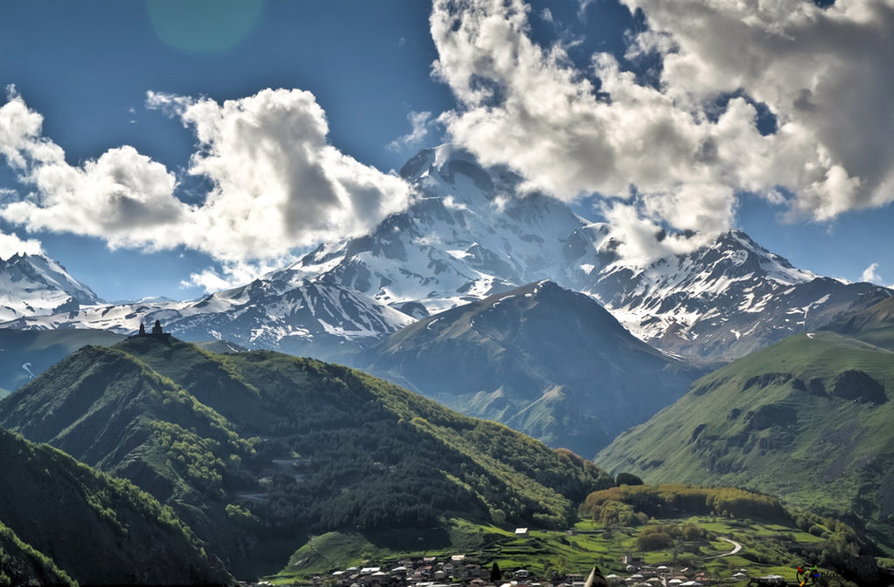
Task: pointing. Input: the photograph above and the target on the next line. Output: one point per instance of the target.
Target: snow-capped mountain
(723, 300)
(315, 318)
(32, 285)
(467, 235)
(327, 321)
(471, 233)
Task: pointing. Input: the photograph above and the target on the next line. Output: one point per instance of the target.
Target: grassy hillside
(697, 543)
(807, 419)
(761, 529)
(60, 514)
(113, 412)
(695, 530)
(256, 450)
(24, 353)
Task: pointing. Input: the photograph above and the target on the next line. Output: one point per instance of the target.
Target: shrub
(627, 479)
(654, 541)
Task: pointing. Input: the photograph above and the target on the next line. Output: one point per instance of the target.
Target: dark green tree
(495, 573)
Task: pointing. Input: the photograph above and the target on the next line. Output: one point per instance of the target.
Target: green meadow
(767, 548)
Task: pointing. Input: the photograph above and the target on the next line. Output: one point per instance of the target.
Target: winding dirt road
(736, 548)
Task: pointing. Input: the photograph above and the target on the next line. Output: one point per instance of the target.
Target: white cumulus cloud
(871, 275)
(11, 244)
(529, 107)
(122, 196)
(233, 273)
(276, 182)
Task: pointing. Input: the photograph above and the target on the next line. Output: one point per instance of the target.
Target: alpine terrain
(542, 359)
(33, 285)
(472, 232)
(724, 300)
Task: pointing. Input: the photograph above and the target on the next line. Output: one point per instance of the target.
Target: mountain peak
(543, 359)
(35, 284)
(435, 159)
(743, 251)
(724, 299)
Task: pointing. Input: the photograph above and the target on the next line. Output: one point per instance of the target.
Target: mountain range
(401, 302)
(472, 232)
(498, 303)
(724, 300)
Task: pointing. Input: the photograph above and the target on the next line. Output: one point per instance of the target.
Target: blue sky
(86, 67)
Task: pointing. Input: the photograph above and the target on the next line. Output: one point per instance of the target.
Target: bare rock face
(858, 386)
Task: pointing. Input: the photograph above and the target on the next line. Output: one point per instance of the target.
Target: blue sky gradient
(87, 67)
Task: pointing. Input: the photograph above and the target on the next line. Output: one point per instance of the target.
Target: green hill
(807, 419)
(683, 520)
(257, 450)
(60, 519)
(25, 354)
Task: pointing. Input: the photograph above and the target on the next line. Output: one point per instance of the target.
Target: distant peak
(417, 165)
(537, 288)
(741, 238)
(443, 159)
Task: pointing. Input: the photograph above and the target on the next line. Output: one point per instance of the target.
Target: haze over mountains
(542, 359)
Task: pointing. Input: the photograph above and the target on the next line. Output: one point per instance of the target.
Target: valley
(451, 293)
(724, 366)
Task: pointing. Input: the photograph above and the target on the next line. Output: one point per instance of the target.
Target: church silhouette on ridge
(157, 330)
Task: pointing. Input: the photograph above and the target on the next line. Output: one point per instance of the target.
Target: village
(467, 570)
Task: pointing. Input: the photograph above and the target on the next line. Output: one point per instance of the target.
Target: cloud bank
(11, 244)
(276, 182)
(687, 145)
